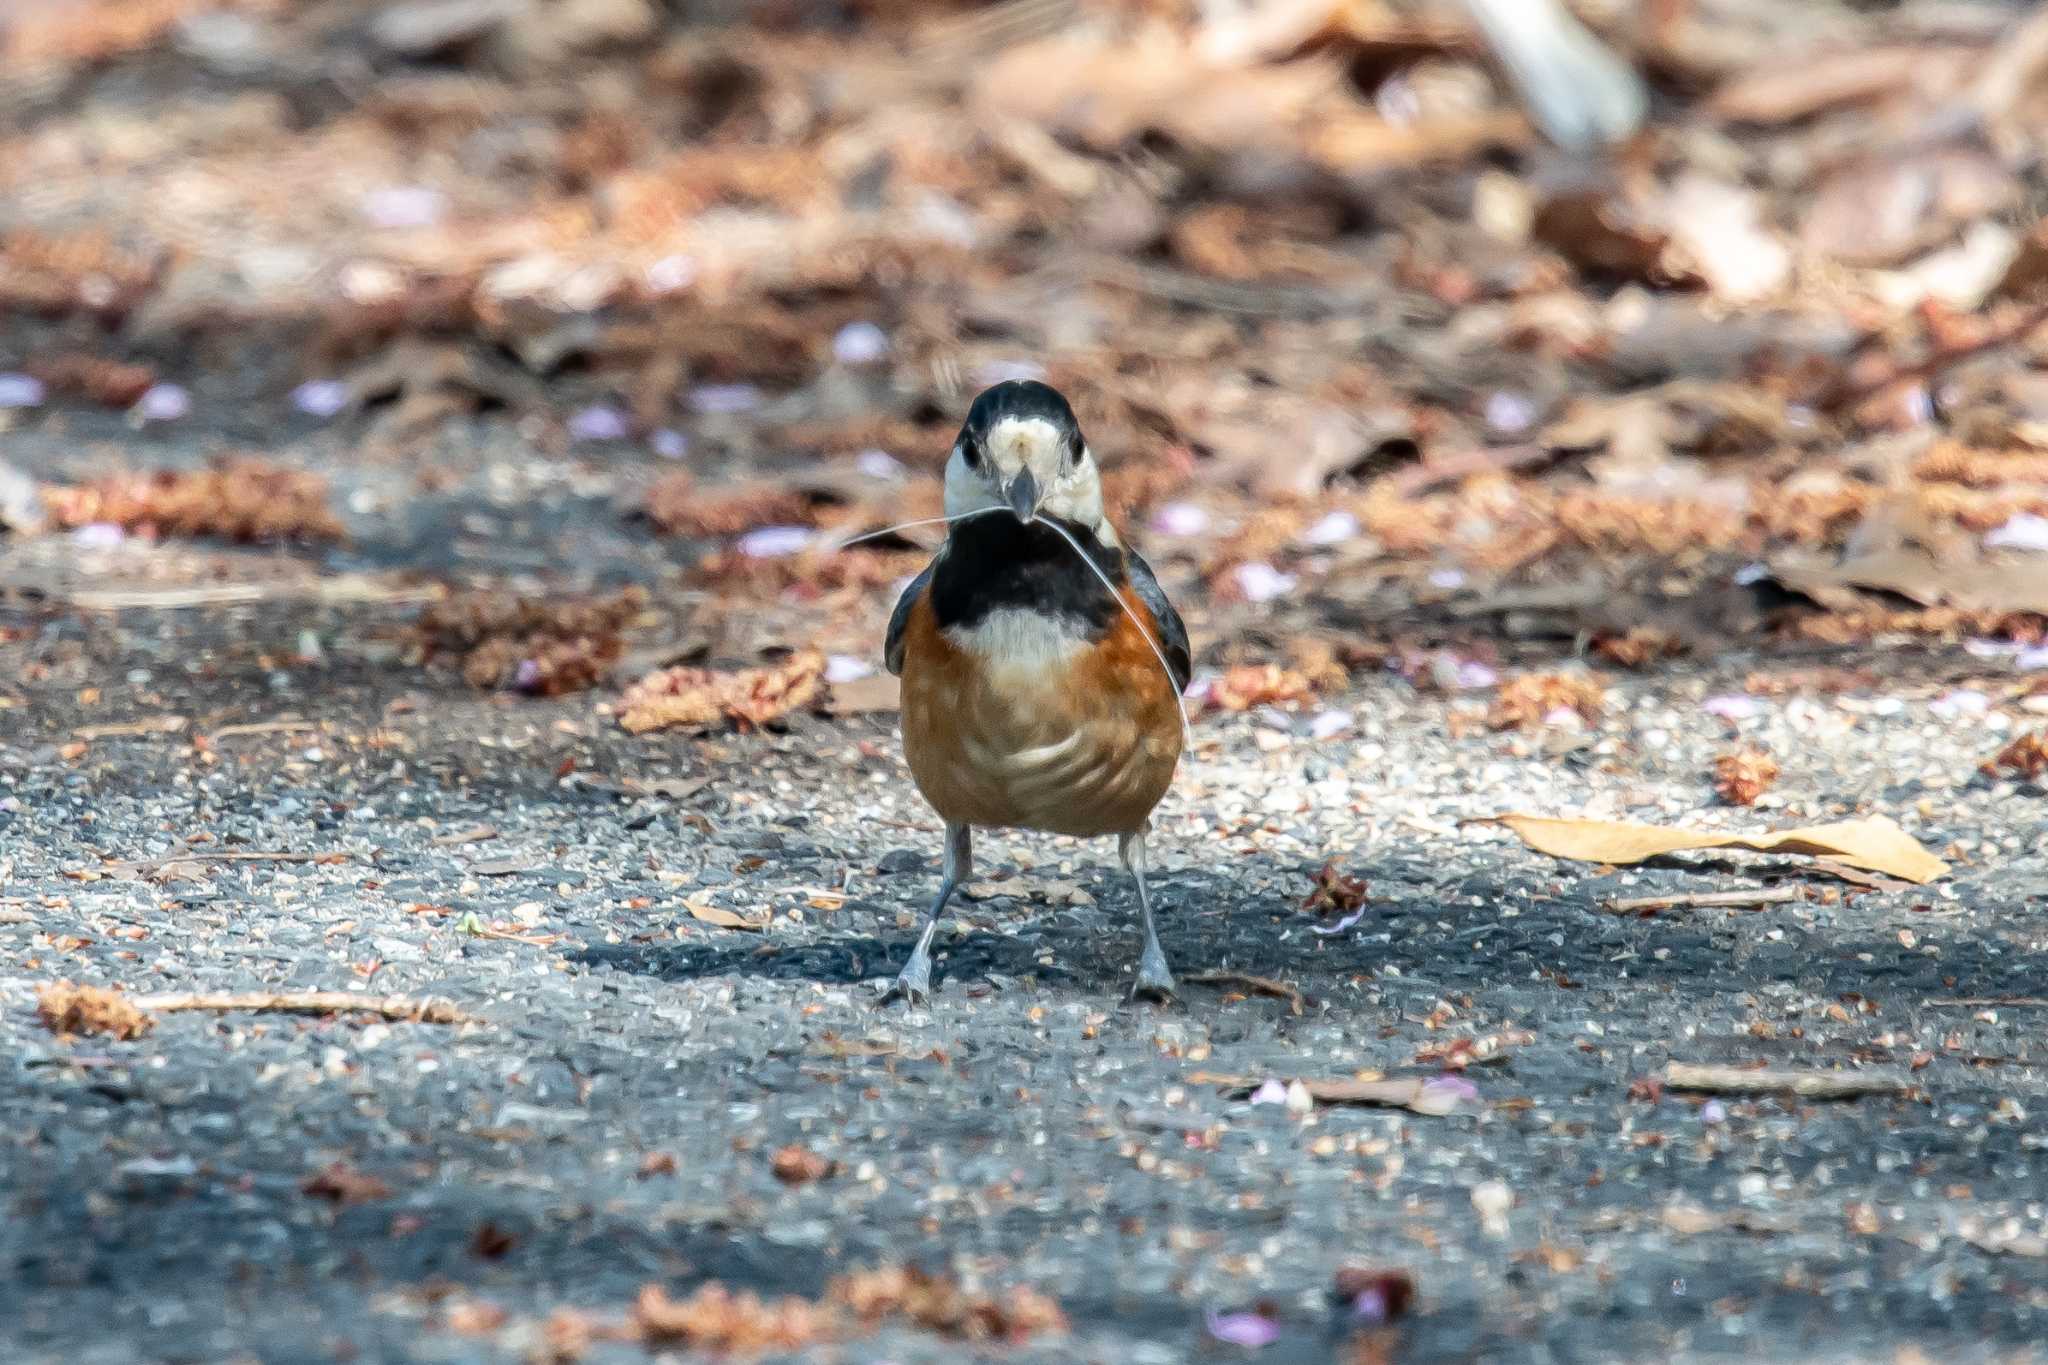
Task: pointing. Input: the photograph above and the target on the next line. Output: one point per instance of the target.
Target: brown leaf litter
(339, 1183)
(1245, 686)
(109, 383)
(1744, 775)
(1334, 892)
(1531, 700)
(701, 699)
(2026, 756)
(681, 505)
(939, 1304)
(238, 498)
(545, 646)
(69, 1010)
(721, 1321)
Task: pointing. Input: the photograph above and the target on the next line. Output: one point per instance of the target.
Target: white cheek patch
(1021, 643)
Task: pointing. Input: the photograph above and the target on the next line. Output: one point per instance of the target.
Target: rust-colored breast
(1086, 746)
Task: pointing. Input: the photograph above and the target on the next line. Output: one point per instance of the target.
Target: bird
(1041, 664)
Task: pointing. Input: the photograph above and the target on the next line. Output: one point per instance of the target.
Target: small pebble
(725, 398)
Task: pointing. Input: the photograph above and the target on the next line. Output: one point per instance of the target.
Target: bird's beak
(1023, 494)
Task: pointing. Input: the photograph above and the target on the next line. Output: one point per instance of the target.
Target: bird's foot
(913, 985)
(1155, 979)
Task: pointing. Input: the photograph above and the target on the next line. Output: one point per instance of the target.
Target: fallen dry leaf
(877, 692)
(699, 698)
(1873, 842)
(68, 1009)
(701, 908)
(1743, 776)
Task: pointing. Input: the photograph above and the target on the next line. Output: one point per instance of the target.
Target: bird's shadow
(1088, 949)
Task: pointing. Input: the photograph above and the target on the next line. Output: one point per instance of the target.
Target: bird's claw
(913, 985)
(1155, 980)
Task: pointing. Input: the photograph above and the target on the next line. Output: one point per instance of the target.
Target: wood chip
(1706, 900)
(1812, 1085)
(153, 725)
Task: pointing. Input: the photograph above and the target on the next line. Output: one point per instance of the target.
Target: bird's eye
(969, 453)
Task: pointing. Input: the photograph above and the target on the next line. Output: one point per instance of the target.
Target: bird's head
(1022, 450)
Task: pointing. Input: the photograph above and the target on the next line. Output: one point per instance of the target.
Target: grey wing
(892, 645)
(1173, 633)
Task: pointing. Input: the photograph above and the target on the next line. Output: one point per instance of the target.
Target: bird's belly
(1069, 755)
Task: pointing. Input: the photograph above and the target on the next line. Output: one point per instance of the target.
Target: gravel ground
(1028, 1128)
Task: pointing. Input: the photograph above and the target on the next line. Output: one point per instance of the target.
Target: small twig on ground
(1262, 985)
(1813, 1085)
(1707, 900)
(155, 725)
(475, 834)
(261, 727)
(346, 589)
(309, 1002)
(1847, 395)
(2012, 1002)
(1462, 465)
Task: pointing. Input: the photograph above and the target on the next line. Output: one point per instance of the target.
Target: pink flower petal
(1180, 519)
(320, 397)
(1253, 1331)
(844, 668)
(163, 403)
(1340, 926)
(1263, 582)
(20, 391)
(2022, 531)
(860, 343)
(775, 542)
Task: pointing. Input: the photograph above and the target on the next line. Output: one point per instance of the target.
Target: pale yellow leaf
(1874, 842)
(702, 909)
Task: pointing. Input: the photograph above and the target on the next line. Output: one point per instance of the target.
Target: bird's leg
(914, 982)
(1155, 978)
